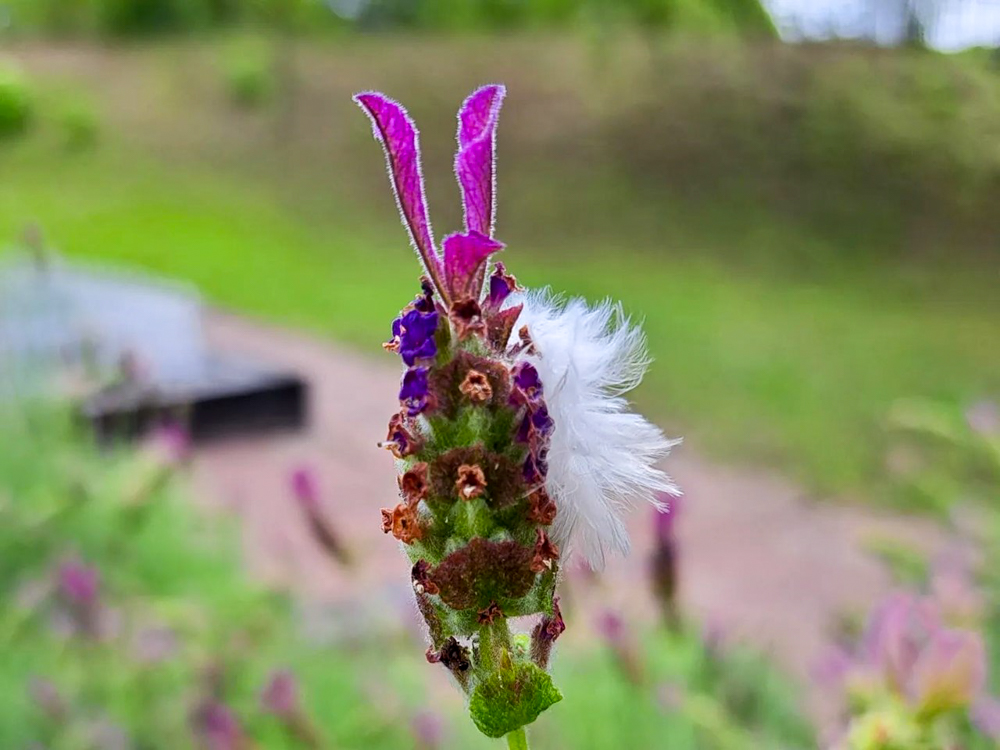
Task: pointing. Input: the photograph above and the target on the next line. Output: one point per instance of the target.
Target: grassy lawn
(760, 357)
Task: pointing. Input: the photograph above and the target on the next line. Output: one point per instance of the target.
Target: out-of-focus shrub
(15, 101)
(249, 75)
(745, 15)
(79, 126)
(127, 17)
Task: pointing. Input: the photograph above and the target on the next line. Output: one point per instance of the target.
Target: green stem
(517, 740)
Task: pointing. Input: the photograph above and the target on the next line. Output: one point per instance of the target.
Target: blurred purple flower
(216, 727)
(305, 487)
(428, 730)
(664, 521)
(897, 632)
(950, 671)
(664, 559)
(171, 442)
(280, 696)
(985, 716)
(611, 627)
(78, 583)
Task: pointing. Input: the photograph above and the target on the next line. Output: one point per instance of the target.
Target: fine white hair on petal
(602, 458)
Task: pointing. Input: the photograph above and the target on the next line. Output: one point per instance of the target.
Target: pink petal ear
(465, 257)
(401, 141)
(475, 162)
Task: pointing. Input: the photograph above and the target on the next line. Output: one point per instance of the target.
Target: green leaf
(511, 698)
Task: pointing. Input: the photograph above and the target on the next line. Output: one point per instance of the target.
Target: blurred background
(199, 256)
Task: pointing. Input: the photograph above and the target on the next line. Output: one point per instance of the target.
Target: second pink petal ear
(474, 163)
(399, 137)
(465, 257)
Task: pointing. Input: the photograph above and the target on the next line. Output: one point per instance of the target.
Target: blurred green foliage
(747, 16)
(143, 17)
(15, 101)
(789, 298)
(162, 569)
(250, 74)
(80, 125)
(166, 569)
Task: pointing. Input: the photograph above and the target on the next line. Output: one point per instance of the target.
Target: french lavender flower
(305, 488)
(913, 679)
(663, 564)
(280, 698)
(514, 442)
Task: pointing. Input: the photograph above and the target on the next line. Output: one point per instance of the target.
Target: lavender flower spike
(487, 434)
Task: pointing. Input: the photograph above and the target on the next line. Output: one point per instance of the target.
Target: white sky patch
(952, 25)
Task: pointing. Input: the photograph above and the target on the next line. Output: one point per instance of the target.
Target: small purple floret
(541, 420)
(526, 378)
(500, 287)
(416, 339)
(413, 391)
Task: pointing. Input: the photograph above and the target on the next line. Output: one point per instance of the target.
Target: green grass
(776, 343)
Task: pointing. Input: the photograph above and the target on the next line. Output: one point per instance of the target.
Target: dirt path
(757, 559)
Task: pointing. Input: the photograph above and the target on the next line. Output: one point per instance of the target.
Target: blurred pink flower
(897, 632)
(78, 583)
(950, 671)
(216, 727)
(171, 442)
(664, 521)
(611, 627)
(305, 487)
(280, 696)
(428, 730)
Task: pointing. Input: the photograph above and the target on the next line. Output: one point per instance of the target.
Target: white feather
(602, 458)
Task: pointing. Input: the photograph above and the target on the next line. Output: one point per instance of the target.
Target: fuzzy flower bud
(512, 440)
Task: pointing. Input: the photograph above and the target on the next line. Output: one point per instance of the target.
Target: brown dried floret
(467, 317)
(420, 574)
(403, 522)
(476, 387)
(413, 484)
(448, 382)
(488, 615)
(470, 482)
(501, 477)
(541, 508)
(484, 571)
(546, 553)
